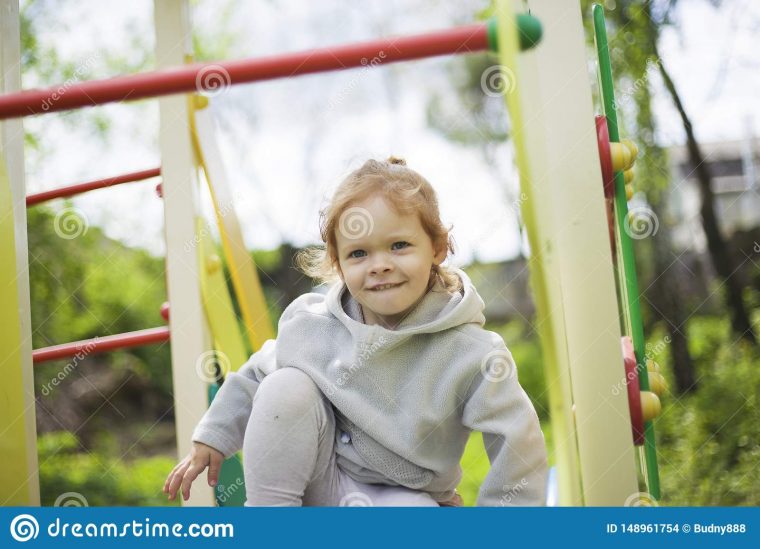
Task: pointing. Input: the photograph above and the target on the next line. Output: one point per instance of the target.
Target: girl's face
(385, 260)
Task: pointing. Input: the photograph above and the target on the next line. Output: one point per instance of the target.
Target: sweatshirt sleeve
(498, 407)
(224, 423)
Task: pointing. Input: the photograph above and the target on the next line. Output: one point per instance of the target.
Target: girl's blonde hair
(405, 190)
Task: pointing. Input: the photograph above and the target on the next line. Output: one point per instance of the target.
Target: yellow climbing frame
(19, 480)
(242, 268)
(554, 136)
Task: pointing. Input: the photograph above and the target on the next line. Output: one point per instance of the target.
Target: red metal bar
(79, 188)
(212, 76)
(101, 344)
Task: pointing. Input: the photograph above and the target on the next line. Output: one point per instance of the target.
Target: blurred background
(687, 83)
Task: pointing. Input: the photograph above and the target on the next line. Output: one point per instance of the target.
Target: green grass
(475, 464)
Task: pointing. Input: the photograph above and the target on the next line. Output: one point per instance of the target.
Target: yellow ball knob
(623, 154)
(200, 102)
(628, 192)
(213, 263)
(657, 383)
(628, 175)
(650, 405)
(631, 147)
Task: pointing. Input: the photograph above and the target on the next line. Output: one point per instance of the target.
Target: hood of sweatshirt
(437, 311)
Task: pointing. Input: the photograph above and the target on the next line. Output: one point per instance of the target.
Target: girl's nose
(381, 264)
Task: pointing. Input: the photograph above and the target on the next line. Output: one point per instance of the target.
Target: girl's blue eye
(405, 244)
(351, 255)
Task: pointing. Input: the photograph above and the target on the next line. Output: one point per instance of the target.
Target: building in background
(734, 168)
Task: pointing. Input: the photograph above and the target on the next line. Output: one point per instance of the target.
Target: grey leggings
(289, 452)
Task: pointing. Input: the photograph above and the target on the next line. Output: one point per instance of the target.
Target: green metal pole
(629, 281)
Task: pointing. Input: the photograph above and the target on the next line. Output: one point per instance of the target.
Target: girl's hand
(456, 501)
(187, 470)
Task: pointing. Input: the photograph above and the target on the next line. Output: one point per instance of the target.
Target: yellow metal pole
(228, 341)
(245, 278)
(19, 477)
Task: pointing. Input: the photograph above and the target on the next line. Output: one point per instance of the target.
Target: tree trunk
(722, 259)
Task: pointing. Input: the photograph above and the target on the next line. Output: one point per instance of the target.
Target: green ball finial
(528, 27)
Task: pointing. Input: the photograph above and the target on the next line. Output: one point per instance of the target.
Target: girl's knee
(288, 390)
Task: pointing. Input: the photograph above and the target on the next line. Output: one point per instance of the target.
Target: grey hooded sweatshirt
(406, 400)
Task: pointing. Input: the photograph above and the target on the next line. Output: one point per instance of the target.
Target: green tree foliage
(709, 440)
(92, 286)
(98, 479)
(113, 403)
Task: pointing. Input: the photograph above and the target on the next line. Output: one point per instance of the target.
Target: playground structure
(575, 274)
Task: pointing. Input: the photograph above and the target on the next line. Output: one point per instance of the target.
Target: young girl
(370, 391)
